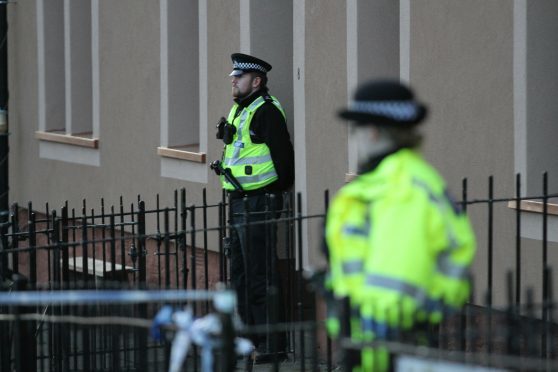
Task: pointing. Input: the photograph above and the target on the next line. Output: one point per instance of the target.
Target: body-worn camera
(225, 131)
(220, 127)
(216, 166)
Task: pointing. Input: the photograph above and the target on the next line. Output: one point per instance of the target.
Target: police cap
(243, 63)
(384, 103)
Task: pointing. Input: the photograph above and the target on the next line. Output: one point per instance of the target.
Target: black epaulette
(267, 98)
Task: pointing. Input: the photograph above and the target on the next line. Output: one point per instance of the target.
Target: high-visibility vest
(250, 163)
(398, 246)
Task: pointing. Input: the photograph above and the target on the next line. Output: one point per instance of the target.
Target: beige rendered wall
(129, 113)
(271, 37)
(461, 64)
(458, 55)
(22, 66)
(325, 91)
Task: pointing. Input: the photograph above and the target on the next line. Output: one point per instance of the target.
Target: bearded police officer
(258, 165)
(399, 248)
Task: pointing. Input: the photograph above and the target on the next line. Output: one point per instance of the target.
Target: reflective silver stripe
(236, 152)
(257, 178)
(363, 230)
(450, 269)
(352, 267)
(437, 200)
(356, 230)
(418, 294)
(258, 101)
(250, 160)
(243, 117)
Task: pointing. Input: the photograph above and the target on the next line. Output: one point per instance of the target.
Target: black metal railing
(136, 246)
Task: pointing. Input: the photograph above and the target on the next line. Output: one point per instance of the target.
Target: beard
(236, 93)
(240, 94)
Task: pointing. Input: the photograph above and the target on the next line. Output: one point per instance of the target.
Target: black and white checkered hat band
(395, 110)
(248, 66)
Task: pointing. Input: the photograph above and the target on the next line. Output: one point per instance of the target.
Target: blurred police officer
(258, 153)
(399, 248)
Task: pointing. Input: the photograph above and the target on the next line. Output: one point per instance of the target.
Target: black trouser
(254, 269)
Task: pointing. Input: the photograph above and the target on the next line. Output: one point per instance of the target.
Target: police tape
(81, 320)
(224, 299)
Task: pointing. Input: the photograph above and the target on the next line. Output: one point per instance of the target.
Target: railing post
(193, 255)
(176, 240)
(549, 321)
(141, 334)
(182, 237)
(115, 340)
(15, 239)
(463, 319)
(300, 280)
(65, 248)
(291, 267)
(490, 238)
(545, 271)
(56, 349)
(166, 245)
(245, 252)
(33, 252)
(272, 305)
(24, 333)
(518, 239)
(205, 247)
(329, 360)
(490, 258)
(66, 282)
(4, 226)
(545, 240)
(222, 258)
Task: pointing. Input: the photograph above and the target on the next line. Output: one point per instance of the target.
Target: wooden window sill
(189, 153)
(534, 206)
(81, 139)
(350, 176)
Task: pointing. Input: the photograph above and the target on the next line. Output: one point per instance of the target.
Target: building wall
(477, 64)
(462, 65)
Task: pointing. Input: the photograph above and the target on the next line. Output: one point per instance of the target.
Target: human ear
(256, 81)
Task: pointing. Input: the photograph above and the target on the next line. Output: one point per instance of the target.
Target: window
(535, 112)
(535, 89)
(183, 90)
(67, 34)
(372, 51)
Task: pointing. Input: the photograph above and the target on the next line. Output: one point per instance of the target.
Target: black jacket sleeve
(269, 126)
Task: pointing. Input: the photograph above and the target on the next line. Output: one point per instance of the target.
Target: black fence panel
(186, 246)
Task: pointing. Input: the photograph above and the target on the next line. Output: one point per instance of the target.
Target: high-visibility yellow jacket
(250, 163)
(399, 247)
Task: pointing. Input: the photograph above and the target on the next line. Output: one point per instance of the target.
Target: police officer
(258, 153)
(399, 248)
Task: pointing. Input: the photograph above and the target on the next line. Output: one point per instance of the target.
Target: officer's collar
(374, 161)
(246, 101)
